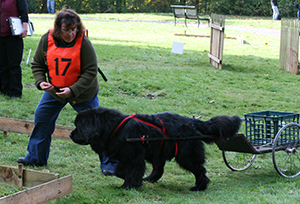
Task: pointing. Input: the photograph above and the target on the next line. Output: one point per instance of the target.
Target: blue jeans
(51, 6)
(275, 12)
(298, 14)
(45, 115)
(106, 163)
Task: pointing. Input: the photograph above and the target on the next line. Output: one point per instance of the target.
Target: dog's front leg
(156, 173)
(120, 170)
(132, 173)
(201, 180)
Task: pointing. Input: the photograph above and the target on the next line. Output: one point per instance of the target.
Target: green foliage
(252, 7)
(145, 77)
(224, 7)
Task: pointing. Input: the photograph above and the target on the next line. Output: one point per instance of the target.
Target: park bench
(187, 12)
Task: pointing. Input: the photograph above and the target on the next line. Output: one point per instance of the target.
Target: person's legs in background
(11, 53)
(107, 166)
(3, 66)
(48, 6)
(276, 14)
(51, 6)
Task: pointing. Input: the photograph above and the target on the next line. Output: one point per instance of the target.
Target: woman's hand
(24, 32)
(64, 92)
(46, 86)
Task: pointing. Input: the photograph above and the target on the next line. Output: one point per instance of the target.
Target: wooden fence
(44, 186)
(289, 45)
(217, 40)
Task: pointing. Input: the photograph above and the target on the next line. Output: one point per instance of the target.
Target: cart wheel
(286, 151)
(237, 161)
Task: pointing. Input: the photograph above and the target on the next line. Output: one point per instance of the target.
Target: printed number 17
(66, 68)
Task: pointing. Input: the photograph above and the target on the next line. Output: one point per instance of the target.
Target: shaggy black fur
(96, 126)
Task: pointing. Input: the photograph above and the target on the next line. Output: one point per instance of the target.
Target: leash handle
(103, 76)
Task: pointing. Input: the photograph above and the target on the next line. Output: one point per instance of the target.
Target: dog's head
(86, 128)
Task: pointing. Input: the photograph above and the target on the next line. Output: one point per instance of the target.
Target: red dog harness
(163, 129)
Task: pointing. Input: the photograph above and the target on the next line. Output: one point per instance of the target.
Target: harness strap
(122, 123)
(163, 129)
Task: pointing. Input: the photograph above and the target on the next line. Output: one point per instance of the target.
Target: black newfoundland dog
(155, 138)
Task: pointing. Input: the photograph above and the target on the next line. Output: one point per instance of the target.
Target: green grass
(145, 77)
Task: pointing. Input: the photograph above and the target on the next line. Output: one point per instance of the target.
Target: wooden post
(217, 40)
(20, 176)
(289, 46)
(57, 177)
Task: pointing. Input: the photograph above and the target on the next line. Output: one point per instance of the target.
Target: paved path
(272, 32)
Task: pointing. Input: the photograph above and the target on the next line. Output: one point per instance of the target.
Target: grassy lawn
(145, 77)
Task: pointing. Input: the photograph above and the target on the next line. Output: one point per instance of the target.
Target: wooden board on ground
(11, 175)
(26, 127)
(217, 40)
(41, 193)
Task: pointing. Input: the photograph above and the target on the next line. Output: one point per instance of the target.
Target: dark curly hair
(70, 18)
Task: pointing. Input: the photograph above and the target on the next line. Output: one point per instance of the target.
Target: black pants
(11, 52)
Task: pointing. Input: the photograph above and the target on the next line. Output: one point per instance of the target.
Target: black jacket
(274, 3)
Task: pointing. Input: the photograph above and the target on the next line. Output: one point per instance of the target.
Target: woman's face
(68, 34)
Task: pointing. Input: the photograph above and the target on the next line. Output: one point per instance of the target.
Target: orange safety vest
(64, 64)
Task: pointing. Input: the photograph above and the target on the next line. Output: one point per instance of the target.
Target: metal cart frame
(266, 132)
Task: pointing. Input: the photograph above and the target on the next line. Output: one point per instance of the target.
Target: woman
(65, 68)
(11, 48)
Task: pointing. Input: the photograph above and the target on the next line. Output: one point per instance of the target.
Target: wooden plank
(26, 127)
(192, 35)
(216, 48)
(214, 58)
(182, 6)
(32, 178)
(217, 40)
(217, 27)
(41, 193)
(10, 175)
(292, 64)
(283, 44)
(289, 46)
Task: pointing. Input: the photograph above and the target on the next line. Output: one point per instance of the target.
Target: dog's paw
(201, 186)
(127, 187)
(124, 187)
(151, 179)
(198, 188)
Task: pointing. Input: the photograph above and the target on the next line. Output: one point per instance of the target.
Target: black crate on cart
(262, 127)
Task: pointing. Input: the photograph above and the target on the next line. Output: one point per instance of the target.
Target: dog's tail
(221, 127)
